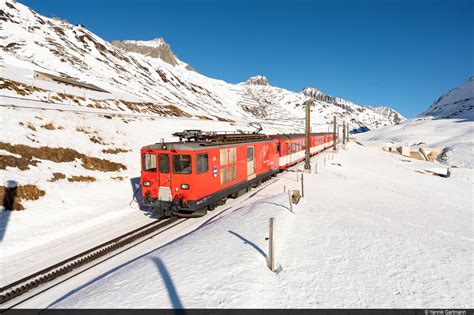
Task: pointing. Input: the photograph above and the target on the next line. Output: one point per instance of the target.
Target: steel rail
(48, 274)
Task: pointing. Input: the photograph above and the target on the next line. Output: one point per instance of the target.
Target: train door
(164, 177)
(250, 163)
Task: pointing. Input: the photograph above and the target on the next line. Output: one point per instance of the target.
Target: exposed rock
(388, 113)
(156, 48)
(257, 80)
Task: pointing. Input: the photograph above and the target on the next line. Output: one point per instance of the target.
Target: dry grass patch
(119, 178)
(13, 161)
(59, 155)
(97, 139)
(11, 196)
(85, 179)
(56, 177)
(114, 151)
(19, 88)
(49, 126)
(203, 117)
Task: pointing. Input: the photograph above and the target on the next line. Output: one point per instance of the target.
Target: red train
(203, 169)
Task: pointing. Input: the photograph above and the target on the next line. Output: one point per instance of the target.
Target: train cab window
(249, 154)
(202, 163)
(182, 164)
(277, 148)
(164, 161)
(149, 162)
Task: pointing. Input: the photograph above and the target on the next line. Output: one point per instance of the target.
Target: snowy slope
(359, 250)
(447, 125)
(143, 76)
(457, 103)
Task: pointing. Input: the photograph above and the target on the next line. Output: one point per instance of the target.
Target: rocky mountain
(456, 103)
(156, 48)
(390, 116)
(388, 113)
(145, 77)
(257, 80)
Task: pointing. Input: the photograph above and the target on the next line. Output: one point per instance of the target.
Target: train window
(182, 164)
(164, 161)
(249, 154)
(233, 172)
(224, 175)
(277, 148)
(232, 155)
(224, 157)
(149, 162)
(228, 174)
(202, 164)
(228, 156)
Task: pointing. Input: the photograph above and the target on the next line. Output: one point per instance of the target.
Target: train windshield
(149, 162)
(182, 164)
(164, 163)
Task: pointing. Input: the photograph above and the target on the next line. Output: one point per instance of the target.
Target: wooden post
(344, 134)
(284, 188)
(302, 185)
(271, 251)
(324, 160)
(289, 199)
(347, 133)
(316, 168)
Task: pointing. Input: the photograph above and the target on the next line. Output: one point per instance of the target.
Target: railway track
(22, 286)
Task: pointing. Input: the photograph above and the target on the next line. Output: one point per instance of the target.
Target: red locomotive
(203, 169)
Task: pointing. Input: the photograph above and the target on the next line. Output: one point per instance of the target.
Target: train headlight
(146, 184)
(185, 186)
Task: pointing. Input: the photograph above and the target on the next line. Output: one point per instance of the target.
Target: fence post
(271, 252)
(289, 199)
(316, 168)
(302, 185)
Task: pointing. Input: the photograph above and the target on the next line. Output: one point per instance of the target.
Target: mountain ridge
(138, 82)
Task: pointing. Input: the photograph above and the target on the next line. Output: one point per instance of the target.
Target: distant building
(66, 81)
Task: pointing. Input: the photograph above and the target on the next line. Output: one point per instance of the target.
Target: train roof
(287, 136)
(197, 146)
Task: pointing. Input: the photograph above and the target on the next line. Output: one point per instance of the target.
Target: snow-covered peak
(154, 43)
(457, 103)
(257, 80)
(389, 113)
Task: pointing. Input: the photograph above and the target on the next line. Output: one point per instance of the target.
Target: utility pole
(347, 133)
(307, 154)
(344, 134)
(334, 134)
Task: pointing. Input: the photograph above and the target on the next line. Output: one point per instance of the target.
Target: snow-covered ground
(363, 236)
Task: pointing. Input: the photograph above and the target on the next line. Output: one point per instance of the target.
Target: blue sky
(403, 54)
